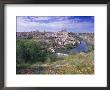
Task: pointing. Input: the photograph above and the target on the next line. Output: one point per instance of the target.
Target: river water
(82, 47)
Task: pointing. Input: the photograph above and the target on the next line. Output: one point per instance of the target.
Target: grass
(81, 63)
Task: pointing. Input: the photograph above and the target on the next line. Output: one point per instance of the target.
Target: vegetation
(91, 47)
(72, 64)
(29, 51)
(33, 58)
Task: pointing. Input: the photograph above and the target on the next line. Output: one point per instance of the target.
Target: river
(82, 47)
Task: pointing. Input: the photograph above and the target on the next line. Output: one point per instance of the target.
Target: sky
(76, 24)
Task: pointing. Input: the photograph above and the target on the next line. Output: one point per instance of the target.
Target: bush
(29, 51)
(23, 65)
(91, 47)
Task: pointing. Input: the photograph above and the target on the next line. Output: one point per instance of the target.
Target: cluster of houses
(61, 38)
(24, 35)
(88, 37)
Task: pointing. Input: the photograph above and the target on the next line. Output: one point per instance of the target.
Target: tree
(29, 51)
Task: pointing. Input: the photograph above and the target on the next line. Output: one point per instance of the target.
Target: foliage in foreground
(29, 51)
(81, 63)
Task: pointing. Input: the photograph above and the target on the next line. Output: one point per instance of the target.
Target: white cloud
(56, 24)
(40, 18)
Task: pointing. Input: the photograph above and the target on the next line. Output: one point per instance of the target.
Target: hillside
(54, 53)
(73, 64)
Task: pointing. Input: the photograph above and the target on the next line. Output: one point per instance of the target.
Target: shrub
(91, 47)
(29, 51)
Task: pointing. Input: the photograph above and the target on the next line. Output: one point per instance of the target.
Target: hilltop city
(55, 40)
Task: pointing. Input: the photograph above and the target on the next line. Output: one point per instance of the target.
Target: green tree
(29, 51)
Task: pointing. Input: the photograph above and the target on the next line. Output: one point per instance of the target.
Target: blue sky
(77, 24)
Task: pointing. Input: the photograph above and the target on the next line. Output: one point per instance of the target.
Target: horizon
(75, 24)
(57, 31)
